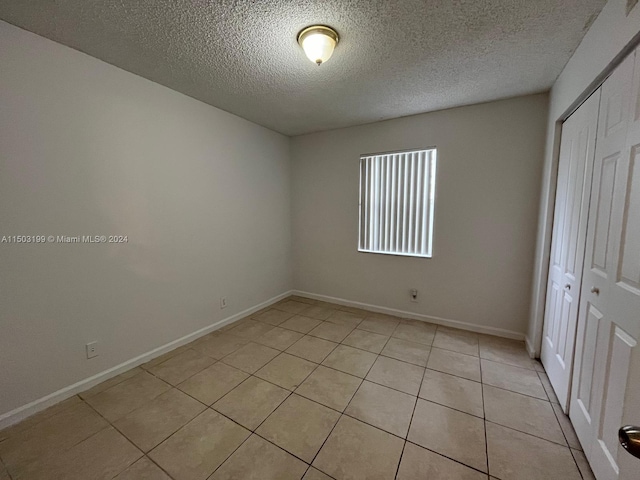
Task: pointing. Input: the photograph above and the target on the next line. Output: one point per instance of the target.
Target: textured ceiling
(395, 58)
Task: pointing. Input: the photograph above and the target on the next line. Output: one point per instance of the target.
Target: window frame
(430, 207)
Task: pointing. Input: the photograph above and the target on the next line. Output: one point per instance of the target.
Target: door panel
(603, 207)
(614, 118)
(567, 249)
(585, 365)
(614, 385)
(609, 313)
(629, 272)
(581, 181)
(567, 312)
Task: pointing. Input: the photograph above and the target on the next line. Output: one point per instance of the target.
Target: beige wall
(609, 34)
(89, 149)
(488, 179)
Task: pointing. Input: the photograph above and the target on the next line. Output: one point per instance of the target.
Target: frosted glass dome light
(318, 42)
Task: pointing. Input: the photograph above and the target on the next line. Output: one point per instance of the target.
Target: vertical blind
(397, 192)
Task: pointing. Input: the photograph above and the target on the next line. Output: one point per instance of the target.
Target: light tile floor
(314, 391)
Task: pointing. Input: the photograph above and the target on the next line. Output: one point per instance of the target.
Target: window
(396, 202)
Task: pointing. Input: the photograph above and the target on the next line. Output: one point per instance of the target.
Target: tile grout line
(484, 413)
(210, 407)
(6, 470)
(254, 431)
(418, 343)
(75, 444)
(43, 419)
(426, 323)
(235, 449)
(309, 467)
(450, 458)
(543, 387)
(521, 431)
(512, 391)
(152, 461)
(415, 405)
(566, 439)
(528, 434)
(345, 408)
(578, 466)
(112, 425)
(146, 454)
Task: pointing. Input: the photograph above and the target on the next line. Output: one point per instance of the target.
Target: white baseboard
(20, 413)
(499, 332)
(530, 349)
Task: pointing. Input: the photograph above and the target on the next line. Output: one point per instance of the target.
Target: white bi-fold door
(577, 151)
(605, 393)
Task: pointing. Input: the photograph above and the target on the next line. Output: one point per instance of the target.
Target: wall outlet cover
(414, 295)
(92, 349)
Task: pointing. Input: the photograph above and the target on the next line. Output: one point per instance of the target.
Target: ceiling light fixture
(318, 42)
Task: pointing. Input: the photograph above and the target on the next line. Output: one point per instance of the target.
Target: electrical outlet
(92, 349)
(223, 302)
(414, 295)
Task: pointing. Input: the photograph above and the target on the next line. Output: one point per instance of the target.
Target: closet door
(568, 242)
(603, 395)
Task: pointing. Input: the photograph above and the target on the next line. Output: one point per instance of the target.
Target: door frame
(548, 201)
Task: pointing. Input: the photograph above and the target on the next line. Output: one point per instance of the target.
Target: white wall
(608, 35)
(89, 149)
(488, 177)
